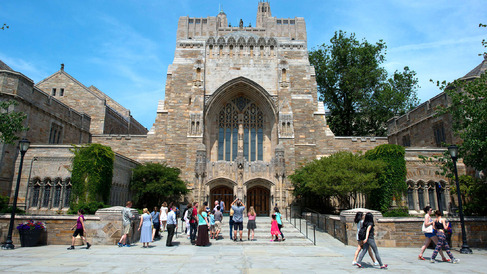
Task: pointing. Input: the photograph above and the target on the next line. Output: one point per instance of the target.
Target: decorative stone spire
(200, 166)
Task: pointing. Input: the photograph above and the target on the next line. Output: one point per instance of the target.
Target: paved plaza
(262, 256)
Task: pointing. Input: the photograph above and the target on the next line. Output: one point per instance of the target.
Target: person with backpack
(359, 220)
(366, 234)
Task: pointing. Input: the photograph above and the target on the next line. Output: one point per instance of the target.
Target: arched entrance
(220, 193)
(259, 197)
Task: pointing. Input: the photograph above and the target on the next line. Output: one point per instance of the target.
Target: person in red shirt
(193, 224)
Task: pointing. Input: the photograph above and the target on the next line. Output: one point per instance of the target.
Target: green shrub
(88, 208)
(4, 208)
(392, 181)
(397, 212)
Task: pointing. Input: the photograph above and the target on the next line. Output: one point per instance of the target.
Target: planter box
(29, 238)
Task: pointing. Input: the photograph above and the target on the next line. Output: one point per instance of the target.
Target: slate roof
(4, 66)
(481, 68)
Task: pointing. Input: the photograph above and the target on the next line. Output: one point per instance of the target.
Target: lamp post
(453, 149)
(23, 147)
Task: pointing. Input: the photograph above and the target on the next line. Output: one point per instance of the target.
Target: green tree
(153, 183)
(468, 110)
(392, 181)
(10, 122)
(91, 174)
(356, 89)
(342, 175)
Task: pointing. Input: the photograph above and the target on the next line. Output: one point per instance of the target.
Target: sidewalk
(328, 256)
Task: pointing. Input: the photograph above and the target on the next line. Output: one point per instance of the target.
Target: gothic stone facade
(240, 111)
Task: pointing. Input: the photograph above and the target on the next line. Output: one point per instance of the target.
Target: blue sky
(123, 47)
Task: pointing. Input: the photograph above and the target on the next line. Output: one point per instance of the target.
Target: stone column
(200, 170)
(280, 170)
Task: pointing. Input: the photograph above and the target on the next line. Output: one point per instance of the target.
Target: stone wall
(43, 113)
(398, 231)
(103, 228)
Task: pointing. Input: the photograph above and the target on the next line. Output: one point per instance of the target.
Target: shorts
(218, 225)
(212, 228)
(429, 235)
(238, 225)
(78, 231)
(126, 229)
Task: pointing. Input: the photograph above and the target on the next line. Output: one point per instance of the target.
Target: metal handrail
(289, 218)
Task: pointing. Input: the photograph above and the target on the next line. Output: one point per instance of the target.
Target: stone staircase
(262, 235)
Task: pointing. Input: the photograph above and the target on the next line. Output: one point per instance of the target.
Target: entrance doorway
(259, 198)
(220, 193)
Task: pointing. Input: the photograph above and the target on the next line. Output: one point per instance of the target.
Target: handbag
(427, 229)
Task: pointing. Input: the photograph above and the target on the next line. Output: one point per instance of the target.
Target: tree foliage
(472, 191)
(91, 174)
(154, 183)
(468, 110)
(392, 181)
(357, 90)
(342, 175)
(11, 122)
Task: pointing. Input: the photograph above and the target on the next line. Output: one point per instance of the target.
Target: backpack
(362, 233)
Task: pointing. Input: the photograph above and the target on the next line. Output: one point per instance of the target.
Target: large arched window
(240, 112)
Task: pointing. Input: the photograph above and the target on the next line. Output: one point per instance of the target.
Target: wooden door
(221, 193)
(259, 198)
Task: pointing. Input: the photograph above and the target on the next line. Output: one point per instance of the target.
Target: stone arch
(221, 189)
(259, 194)
(255, 95)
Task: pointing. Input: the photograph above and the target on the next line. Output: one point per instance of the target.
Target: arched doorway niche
(221, 189)
(259, 194)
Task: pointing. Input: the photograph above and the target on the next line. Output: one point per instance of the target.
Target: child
(251, 223)
(274, 228)
(80, 230)
(212, 224)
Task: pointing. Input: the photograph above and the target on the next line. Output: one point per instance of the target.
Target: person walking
(163, 216)
(279, 221)
(203, 226)
(359, 220)
(156, 223)
(127, 217)
(251, 226)
(429, 233)
(222, 206)
(369, 241)
(172, 225)
(218, 222)
(238, 210)
(80, 230)
(145, 228)
(275, 232)
(194, 222)
(439, 225)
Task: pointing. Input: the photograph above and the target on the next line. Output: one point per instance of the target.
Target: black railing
(297, 216)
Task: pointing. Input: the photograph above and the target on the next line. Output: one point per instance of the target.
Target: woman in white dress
(163, 216)
(145, 228)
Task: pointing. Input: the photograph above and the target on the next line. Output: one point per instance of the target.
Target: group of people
(434, 230)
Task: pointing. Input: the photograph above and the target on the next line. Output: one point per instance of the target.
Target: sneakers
(358, 265)
(456, 261)
(354, 263)
(119, 244)
(241, 240)
(446, 260)
(421, 258)
(376, 263)
(71, 248)
(383, 266)
(126, 245)
(88, 245)
(432, 261)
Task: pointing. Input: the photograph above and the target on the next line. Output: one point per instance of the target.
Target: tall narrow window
(46, 196)
(410, 199)
(61, 92)
(234, 143)
(67, 195)
(431, 196)
(439, 132)
(228, 138)
(421, 197)
(35, 195)
(260, 144)
(198, 74)
(53, 92)
(221, 138)
(57, 196)
(253, 136)
(284, 75)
